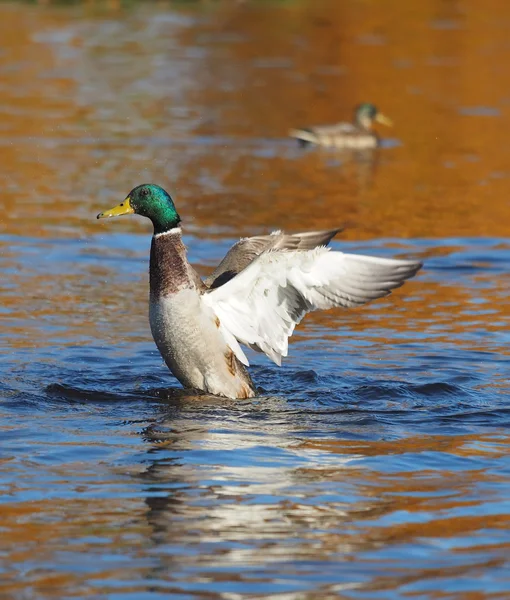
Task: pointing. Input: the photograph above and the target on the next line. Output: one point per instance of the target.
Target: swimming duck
(255, 297)
(357, 135)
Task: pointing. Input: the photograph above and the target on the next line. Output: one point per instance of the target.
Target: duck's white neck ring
(173, 231)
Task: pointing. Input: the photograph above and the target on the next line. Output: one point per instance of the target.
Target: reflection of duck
(356, 135)
(198, 330)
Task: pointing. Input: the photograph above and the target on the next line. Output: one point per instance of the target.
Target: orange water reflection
(427, 67)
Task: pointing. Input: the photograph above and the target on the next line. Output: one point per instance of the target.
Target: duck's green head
(366, 113)
(151, 201)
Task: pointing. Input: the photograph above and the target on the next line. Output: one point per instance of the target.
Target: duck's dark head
(365, 114)
(151, 201)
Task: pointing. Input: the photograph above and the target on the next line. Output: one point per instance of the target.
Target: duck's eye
(144, 192)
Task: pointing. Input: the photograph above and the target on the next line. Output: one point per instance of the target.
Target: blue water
(348, 463)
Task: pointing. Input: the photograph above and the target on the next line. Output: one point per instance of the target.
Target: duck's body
(357, 135)
(344, 136)
(186, 330)
(256, 296)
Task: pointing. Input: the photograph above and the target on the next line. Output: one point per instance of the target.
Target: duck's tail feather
(304, 135)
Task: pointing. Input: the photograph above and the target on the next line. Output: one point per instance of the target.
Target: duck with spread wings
(260, 291)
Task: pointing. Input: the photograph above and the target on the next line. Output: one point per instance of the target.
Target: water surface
(374, 464)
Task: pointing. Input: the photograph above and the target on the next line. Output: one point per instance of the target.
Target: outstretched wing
(246, 250)
(261, 305)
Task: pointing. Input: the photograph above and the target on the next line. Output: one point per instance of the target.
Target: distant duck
(260, 291)
(357, 135)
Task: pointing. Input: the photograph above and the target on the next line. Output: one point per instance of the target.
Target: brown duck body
(357, 135)
(347, 136)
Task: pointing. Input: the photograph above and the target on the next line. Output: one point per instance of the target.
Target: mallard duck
(357, 135)
(259, 293)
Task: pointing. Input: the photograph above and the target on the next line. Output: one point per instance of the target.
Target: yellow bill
(124, 208)
(383, 119)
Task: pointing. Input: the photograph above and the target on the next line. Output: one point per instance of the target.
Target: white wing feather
(261, 306)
